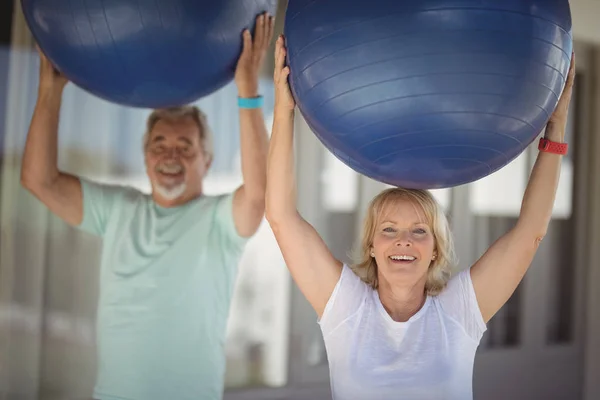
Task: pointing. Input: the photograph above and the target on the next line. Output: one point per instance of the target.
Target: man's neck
(177, 202)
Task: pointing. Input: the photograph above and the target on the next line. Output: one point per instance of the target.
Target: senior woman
(396, 325)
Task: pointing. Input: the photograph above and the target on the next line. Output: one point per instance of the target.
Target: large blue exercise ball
(143, 53)
(428, 93)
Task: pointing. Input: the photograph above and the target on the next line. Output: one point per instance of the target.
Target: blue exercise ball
(152, 54)
(430, 93)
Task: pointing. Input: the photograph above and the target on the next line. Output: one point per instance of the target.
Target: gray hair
(179, 113)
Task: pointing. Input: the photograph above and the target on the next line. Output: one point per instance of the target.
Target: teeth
(170, 169)
(403, 258)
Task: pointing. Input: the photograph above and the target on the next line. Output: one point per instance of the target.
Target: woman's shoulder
(459, 302)
(347, 298)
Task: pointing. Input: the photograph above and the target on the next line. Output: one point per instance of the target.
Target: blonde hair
(176, 114)
(440, 269)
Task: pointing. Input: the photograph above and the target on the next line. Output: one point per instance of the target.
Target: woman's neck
(401, 303)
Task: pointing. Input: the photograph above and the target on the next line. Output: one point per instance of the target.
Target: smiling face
(176, 162)
(406, 241)
(403, 244)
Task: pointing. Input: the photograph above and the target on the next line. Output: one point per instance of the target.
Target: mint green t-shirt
(166, 282)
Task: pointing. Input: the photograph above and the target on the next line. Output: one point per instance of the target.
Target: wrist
(248, 94)
(549, 146)
(555, 136)
(49, 94)
(250, 103)
(283, 113)
(555, 132)
(246, 91)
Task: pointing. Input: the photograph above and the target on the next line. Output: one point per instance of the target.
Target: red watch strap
(553, 147)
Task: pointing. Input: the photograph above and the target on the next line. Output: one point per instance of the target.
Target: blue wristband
(253, 102)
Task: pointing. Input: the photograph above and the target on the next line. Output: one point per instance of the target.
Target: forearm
(40, 159)
(281, 182)
(538, 202)
(254, 147)
(498, 272)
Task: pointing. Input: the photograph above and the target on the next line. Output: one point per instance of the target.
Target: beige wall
(592, 343)
(586, 26)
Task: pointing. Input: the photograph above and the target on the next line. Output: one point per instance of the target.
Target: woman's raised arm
(313, 267)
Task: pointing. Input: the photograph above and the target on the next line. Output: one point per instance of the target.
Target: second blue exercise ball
(429, 93)
(144, 53)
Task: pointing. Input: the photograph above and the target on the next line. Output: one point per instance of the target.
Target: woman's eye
(389, 230)
(419, 231)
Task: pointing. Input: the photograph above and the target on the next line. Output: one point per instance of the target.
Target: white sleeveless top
(430, 356)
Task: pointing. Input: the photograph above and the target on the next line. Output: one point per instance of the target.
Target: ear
(208, 163)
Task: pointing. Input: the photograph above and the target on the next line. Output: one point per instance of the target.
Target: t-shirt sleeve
(99, 201)
(225, 222)
(346, 300)
(460, 303)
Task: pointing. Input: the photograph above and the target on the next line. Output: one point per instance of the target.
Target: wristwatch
(553, 147)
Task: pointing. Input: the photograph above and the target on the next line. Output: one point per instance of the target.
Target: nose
(170, 153)
(403, 239)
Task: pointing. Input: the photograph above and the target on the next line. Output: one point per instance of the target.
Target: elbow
(28, 181)
(255, 194)
(273, 215)
(32, 182)
(270, 205)
(278, 216)
(256, 201)
(535, 238)
(270, 216)
(257, 205)
(280, 206)
(275, 224)
(539, 236)
(530, 233)
(253, 205)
